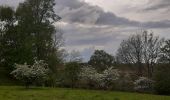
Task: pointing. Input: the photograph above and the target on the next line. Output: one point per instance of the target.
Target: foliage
(101, 60)
(71, 74)
(30, 32)
(37, 73)
(162, 79)
(143, 84)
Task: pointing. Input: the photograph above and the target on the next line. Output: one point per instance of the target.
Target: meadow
(20, 93)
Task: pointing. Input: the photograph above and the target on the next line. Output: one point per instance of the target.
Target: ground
(20, 93)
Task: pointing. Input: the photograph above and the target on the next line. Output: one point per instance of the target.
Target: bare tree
(141, 49)
(151, 50)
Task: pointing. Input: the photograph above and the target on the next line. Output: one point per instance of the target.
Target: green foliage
(162, 79)
(29, 33)
(6, 13)
(101, 60)
(71, 74)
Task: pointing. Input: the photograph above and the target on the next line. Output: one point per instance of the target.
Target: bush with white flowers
(108, 77)
(37, 73)
(143, 84)
(104, 79)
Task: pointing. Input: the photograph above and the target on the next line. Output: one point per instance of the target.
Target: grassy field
(19, 93)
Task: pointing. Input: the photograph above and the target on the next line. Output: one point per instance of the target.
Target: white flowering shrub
(99, 80)
(88, 76)
(108, 77)
(37, 73)
(143, 84)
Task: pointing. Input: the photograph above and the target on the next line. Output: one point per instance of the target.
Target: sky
(102, 24)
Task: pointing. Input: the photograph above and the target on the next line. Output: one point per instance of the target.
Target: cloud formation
(74, 11)
(78, 11)
(158, 4)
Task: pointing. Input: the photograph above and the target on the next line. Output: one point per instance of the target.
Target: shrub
(37, 73)
(162, 80)
(108, 78)
(88, 77)
(104, 80)
(143, 84)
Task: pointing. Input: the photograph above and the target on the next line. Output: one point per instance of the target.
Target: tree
(37, 73)
(7, 20)
(151, 50)
(101, 60)
(142, 48)
(35, 19)
(165, 53)
(71, 73)
(75, 56)
(30, 33)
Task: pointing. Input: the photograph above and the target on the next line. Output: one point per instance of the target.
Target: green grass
(20, 93)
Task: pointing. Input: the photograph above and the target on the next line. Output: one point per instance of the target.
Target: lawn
(20, 93)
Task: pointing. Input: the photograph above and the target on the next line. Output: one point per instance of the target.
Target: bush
(103, 80)
(162, 80)
(143, 84)
(37, 73)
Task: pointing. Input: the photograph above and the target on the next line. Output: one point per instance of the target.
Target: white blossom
(102, 79)
(30, 74)
(143, 83)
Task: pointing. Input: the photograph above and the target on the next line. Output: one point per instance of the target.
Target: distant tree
(37, 73)
(75, 56)
(165, 53)
(101, 60)
(71, 73)
(151, 50)
(142, 48)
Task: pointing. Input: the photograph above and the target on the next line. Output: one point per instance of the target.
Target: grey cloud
(75, 11)
(158, 4)
(108, 18)
(81, 12)
(158, 24)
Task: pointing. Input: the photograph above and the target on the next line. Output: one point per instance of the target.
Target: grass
(20, 93)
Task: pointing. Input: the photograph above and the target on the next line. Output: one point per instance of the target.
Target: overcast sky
(103, 24)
